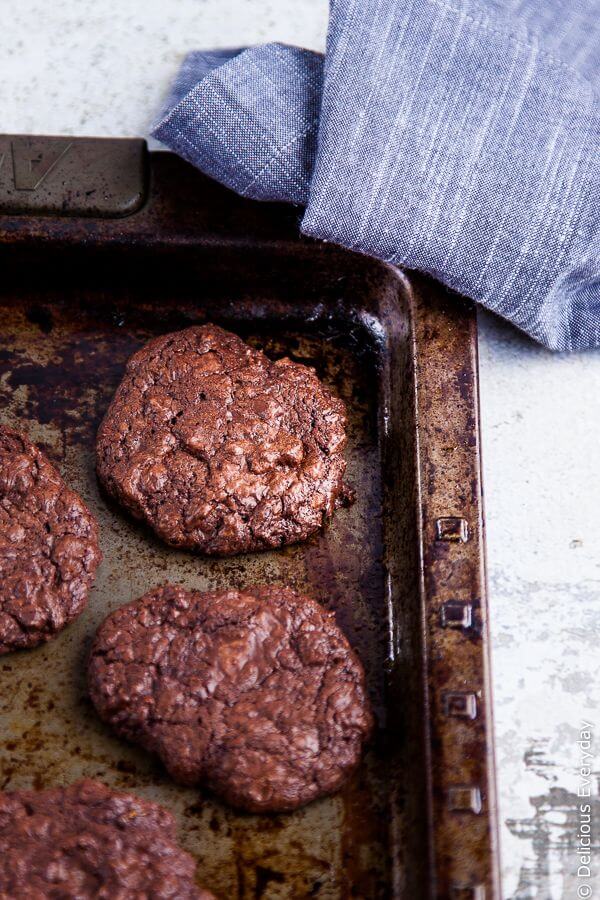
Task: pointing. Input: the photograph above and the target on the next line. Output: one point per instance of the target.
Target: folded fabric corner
(248, 119)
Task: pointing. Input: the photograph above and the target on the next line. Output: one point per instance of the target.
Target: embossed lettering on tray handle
(86, 177)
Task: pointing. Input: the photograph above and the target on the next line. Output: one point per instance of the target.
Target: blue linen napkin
(456, 137)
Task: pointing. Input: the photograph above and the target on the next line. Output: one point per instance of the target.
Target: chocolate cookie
(86, 841)
(220, 449)
(48, 547)
(255, 693)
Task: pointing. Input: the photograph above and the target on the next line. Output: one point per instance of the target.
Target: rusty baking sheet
(403, 568)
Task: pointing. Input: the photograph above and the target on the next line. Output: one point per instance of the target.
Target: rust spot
(195, 809)
(41, 316)
(264, 877)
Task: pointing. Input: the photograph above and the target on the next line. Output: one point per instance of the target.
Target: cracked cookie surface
(255, 694)
(49, 548)
(87, 841)
(221, 450)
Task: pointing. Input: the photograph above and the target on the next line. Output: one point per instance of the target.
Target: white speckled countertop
(102, 68)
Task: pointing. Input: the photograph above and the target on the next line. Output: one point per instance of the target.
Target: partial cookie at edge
(88, 841)
(49, 549)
